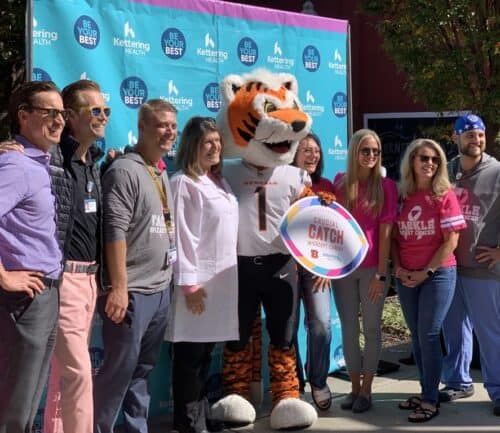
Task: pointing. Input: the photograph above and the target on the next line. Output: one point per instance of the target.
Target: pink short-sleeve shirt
(421, 223)
(369, 222)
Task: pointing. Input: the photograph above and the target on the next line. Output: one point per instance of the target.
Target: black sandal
(423, 414)
(411, 403)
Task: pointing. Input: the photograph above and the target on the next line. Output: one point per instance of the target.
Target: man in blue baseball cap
(476, 304)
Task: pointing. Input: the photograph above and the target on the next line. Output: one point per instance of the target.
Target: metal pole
(28, 39)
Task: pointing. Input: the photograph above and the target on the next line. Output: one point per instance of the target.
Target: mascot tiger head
(261, 120)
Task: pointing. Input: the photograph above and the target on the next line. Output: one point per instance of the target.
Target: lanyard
(160, 188)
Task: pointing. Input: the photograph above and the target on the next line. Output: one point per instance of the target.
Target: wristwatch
(380, 277)
(430, 272)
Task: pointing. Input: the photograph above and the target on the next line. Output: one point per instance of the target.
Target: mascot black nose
(298, 126)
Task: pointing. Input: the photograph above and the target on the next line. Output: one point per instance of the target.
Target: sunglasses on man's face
(51, 113)
(425, 158)
(367, 151)
(96, 110)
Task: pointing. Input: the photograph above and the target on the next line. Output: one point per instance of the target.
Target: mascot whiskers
(262, 122)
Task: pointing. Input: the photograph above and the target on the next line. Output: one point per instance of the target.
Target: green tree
(12, 54)
(449, 51)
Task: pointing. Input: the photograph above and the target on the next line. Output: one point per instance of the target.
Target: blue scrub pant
(476, 304)
(131, 351)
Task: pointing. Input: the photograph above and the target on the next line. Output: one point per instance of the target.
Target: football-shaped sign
(326, 240)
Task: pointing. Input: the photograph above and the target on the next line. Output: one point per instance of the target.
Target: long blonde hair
(374, 199)
(408, 183)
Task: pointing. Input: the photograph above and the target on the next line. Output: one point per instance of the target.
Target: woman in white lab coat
(204, 307)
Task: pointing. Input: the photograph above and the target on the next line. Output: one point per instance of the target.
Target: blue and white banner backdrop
(179, 50)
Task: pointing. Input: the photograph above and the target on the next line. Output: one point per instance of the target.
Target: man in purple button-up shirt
(30, 259)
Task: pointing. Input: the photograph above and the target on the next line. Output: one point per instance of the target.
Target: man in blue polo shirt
(30, 258)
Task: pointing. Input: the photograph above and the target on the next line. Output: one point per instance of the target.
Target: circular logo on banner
(326, 240)
(87, 32)
(339, 104)
(40, 75)
(133, 92)
(211, 97)
(311, 58)
(173, 43)
(248, 51)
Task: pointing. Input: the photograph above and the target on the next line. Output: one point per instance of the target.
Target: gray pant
(351, 293)
(131, 350)
(27, 338)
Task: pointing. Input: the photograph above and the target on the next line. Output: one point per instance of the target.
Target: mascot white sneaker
(262, 122)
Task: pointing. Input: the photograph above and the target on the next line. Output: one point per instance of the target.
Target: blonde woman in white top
(204, 307)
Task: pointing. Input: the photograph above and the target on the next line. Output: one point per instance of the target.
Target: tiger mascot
(261, 122)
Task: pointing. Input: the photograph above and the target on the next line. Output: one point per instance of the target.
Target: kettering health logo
(87, 32)
(338, 151)
(133, 92)
(248, 51)
(338, 65)
(173, 43)
(210, 52)
(311, 107)
(43, 36)
(40, 75)
(129, 43)
(211, 97)
(339, 104)
(311, 58)
(278, 60)
(175, 97)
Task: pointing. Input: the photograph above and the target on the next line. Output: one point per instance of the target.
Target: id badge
(90, 205)
(171, 257)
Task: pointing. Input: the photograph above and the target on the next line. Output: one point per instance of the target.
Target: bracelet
(380, 277)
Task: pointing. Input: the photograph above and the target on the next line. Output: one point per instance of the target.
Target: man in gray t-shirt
(139, 247)
(476, 303)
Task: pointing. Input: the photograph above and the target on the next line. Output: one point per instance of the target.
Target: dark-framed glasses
(436, 160)
(367, 151)
(96, 110)
(52, 113)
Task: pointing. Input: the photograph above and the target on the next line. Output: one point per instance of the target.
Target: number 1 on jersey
(261, 207)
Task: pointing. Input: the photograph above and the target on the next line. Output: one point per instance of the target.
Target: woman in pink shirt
(372, 200)
(428, 223)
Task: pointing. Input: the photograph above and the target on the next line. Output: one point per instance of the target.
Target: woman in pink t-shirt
(428, 223)
(372, 200)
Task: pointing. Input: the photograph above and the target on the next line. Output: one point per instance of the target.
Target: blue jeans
(424, 308)
(476, 304)
(318, 325)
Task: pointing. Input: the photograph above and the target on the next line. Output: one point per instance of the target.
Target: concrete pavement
(473, 414)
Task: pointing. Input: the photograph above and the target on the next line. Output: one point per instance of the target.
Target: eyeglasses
(96, 110)
(436, 160)
(367, 151)
(52, 113)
